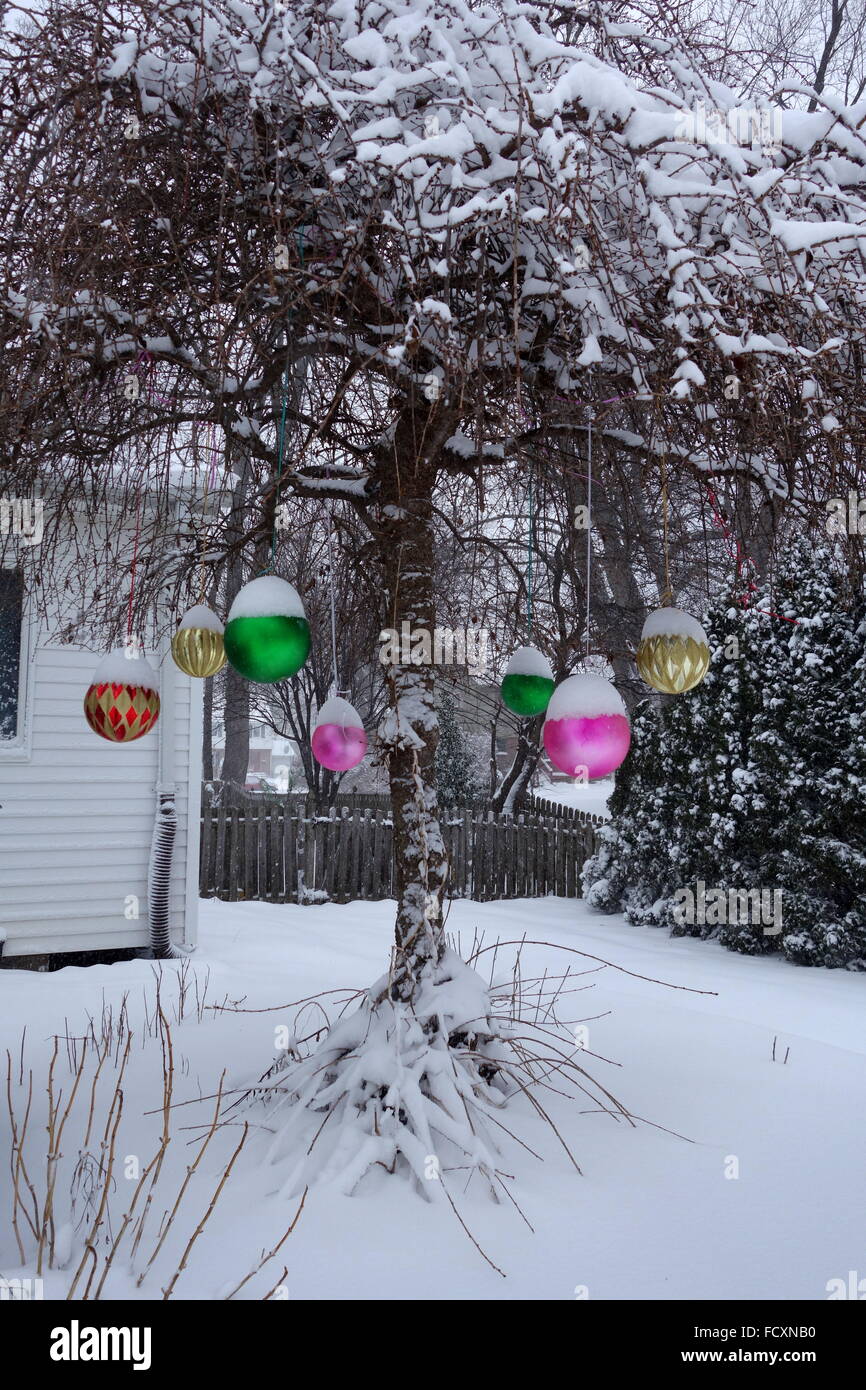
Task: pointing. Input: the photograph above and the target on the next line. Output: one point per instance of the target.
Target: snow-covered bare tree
(474, 221)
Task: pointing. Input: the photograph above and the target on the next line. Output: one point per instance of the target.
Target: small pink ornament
(586, 732)
(339, 741)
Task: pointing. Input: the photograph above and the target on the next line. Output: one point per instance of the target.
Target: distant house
(77, 813)
(478, 704)
(272, 758)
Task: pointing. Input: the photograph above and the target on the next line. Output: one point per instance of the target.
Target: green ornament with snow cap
(267, 636)
(528, 683)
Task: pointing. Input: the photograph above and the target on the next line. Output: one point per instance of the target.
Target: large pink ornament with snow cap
(586, 732)
(339, 741)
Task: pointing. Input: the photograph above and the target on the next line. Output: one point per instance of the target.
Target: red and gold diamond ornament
(122, 703)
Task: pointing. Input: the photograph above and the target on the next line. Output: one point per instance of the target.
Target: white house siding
(77, 814)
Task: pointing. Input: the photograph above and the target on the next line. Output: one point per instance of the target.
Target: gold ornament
(198, 651)
(673, 654)
(197, 646)
(672, 664)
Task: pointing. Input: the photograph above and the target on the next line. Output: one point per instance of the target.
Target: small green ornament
(528, 683)
(267, 636)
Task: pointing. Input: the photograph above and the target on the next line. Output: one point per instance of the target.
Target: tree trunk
(617, 597)
(237, 729)
(494, 765)
(758, 515)
(207, 732)
(207, 713)
(237, 709)
(237, 690)
(512, 792)
(410, 730)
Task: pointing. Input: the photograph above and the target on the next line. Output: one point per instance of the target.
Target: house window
(11, 610)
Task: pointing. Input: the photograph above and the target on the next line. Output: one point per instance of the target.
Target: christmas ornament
(267, 637)
(122, 703)
(673, 654)
(339, 741)
(528, 683)
(586, 731)
(197, 646)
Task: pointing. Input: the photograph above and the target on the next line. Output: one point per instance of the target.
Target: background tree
(456, 778)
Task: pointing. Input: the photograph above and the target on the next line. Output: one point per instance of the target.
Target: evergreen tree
(805, 786)
(754, 784)
(456, 762)
(625, 874)
(675, 809)
(714, 847)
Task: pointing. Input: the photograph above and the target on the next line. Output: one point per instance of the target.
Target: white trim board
(19, 748)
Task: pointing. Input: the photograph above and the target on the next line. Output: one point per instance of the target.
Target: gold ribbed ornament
(672, 664)
(198, 651)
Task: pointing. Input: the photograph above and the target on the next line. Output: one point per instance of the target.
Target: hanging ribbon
(209, 475)
(667, 596)
(143, 361)
(744, 565)
(333, 608)
(280, 452)
(530, 543)
(282, 432)
(129, 611)
(590, 416)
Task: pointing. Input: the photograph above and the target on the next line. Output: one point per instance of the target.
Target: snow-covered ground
(586, 796)
(653, 1215)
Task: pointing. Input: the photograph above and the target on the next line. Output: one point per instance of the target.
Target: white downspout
(165, 823)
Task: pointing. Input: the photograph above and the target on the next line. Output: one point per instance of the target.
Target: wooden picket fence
(280, 850)
(570, 814)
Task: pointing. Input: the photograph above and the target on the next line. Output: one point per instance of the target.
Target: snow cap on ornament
(339, 741)
(586, 731)
(267, 637)
(528, 683)
(673, 654)
(197, 647)
(122, 702)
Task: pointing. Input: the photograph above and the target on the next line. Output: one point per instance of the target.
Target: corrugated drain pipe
(165, 825)
(159, 877)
